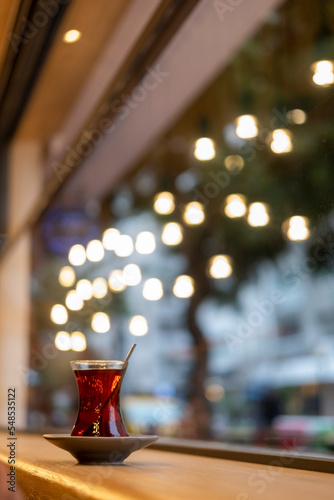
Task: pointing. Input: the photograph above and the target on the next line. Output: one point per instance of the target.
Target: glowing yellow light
(59, 314)
(214, 393)
(84, 289)
(132, 275)
(66, 276)
(193, 213)
(71, 36)
(258, 215)
(297, 228)
(172, 234)
(78, 342)
(204, 149)
(235, 206)
(297, 116)
(100, 322)
(73, 301)
(323, 73)
(152, 289)
(220, 267)
(100, 288)
(145, 243)
(63, 341)
(164, 203)
(109, 238)
(77, 255)
(124, 246)
(281, 141)
(234, 163)
(116, 281)
(183, 287)
(95, 251)
(246, 127)
(138, 326)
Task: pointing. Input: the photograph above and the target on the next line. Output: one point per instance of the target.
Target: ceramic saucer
(100, 450)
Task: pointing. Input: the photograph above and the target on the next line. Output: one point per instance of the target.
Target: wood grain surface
(45, 472)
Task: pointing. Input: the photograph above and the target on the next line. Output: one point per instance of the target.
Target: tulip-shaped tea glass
(99, 385)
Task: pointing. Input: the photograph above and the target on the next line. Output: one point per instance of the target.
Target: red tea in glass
(99, 384)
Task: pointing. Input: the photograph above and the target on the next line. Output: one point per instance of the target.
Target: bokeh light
(100, 288)
(78, 342)
(116, 281)
(84, 289)
(172, 234)
(246, 127)
(124, 246)
(234, 163)
(138, 326)
(66, 276)
(145, 243)
(204, 149)
(132, 275)
(95, 251)
(77, 255)
(100, 322)
(71, 36)
(297, 228)
(297, 116)
(220, 267)
(59, 314)
(153, 289)
(214, 393)
(183, 287)
(63, 341)
(323, 73)
(109, 238)
(193, 213)
(164, 203)
(281, 141)
(235, 206)
(258, 215)
(73, 301)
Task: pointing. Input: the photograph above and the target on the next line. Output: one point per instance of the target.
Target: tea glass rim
(97, 364)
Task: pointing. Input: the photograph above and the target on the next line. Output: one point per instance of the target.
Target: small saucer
(100, 450)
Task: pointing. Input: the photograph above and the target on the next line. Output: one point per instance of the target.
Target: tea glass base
(100, 450)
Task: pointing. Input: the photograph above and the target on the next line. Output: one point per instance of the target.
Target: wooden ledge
(45, 472)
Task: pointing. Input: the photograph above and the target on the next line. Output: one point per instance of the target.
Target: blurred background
(167, 179)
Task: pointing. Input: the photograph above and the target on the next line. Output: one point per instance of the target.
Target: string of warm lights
(295, 228)
(220, 267)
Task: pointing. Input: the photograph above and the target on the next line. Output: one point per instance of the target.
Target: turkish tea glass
(99, 384)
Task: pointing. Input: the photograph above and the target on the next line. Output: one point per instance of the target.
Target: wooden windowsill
(45, 472)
